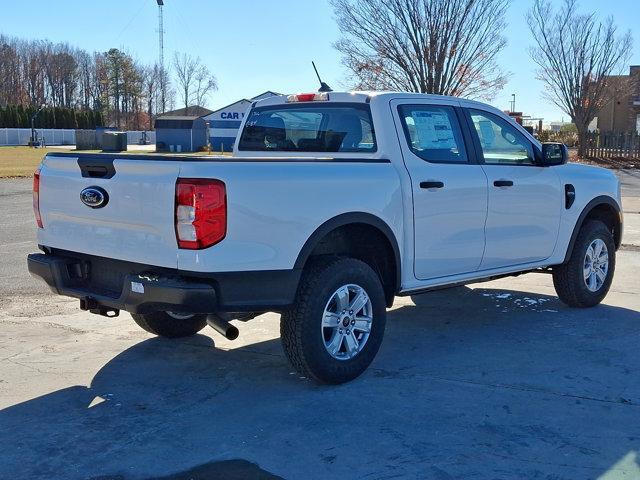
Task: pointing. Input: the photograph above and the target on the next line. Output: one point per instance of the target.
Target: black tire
(165, 325)
(568, 279)
(301, 326)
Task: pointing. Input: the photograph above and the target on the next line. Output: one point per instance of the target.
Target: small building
(180, 133)
(224, 123)
(556, 127)
(621, 112)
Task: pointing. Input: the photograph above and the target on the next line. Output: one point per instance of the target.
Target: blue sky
(257, 45)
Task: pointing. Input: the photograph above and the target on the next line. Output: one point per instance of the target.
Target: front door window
(502, 143)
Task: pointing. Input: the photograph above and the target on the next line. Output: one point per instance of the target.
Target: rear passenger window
(433, 133)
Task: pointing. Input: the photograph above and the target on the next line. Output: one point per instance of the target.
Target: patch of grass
(22, 161)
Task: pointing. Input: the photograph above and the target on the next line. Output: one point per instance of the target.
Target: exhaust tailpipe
(223, 327)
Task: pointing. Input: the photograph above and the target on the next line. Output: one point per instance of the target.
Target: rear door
(525, 199)
(449, 189)
(135, 224)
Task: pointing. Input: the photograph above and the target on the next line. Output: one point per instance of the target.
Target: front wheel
(585, 279)
(335, 328)
(170, 324)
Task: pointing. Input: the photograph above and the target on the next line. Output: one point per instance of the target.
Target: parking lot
(495, 380)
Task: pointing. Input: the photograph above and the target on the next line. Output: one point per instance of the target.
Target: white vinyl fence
(50, 136)
(58, 136)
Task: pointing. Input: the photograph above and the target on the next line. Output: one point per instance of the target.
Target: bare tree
(445, 47)
(194, 80)
(101, 81)
(153, 91)
(185, 67)
(576, 53)
(205, 83)
(11, 85)
(33, 62)
(86, 79)
(60, 69)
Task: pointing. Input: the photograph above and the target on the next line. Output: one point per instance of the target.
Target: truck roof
(364, 96)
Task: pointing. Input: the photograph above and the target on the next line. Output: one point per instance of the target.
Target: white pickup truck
(332, 204)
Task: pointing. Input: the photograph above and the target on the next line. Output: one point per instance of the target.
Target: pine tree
(21, 117)
(13, 123)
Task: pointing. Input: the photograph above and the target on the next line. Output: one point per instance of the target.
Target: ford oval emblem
(94, 197)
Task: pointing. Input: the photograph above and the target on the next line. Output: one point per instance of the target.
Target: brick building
(621, 114)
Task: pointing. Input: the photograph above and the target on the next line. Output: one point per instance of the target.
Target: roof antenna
(323, 86)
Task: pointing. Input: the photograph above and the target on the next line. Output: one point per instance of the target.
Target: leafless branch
(446, 47)
(193, 78)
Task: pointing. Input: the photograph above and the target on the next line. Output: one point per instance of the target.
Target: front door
(449, 189)
(524, 199)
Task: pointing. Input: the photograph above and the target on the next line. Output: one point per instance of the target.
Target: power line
(135, 15)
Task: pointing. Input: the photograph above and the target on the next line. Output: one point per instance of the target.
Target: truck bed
(274, 204)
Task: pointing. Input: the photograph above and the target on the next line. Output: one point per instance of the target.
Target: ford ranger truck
(331, 205)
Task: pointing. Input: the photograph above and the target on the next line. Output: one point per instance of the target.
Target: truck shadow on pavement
(476, 383)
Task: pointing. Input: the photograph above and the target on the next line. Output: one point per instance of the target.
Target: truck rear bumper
(140, 293)
(104, 284)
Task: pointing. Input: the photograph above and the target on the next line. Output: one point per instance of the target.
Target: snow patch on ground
(524, 302)
(500, 296)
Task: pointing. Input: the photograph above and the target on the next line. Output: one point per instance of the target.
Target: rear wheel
(170, 324)
(335, 328)
(585, 279)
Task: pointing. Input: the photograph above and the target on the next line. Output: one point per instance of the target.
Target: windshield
(309, 128)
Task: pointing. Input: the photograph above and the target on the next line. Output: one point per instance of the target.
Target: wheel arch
(352, 223)
(602, 208)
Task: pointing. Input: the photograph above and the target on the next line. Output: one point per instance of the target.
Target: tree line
(49, 117)
(78, 88)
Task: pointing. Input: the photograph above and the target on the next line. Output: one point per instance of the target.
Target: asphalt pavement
(17, 239)
(498, 380)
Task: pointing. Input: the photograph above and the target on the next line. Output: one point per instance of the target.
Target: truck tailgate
(137, 222)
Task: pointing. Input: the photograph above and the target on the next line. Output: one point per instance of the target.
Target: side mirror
(554, 154)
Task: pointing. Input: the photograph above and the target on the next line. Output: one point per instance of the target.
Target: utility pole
(163, 87)
(34, 134)
(513, 102)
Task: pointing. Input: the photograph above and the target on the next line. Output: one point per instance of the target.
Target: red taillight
(308, 97)
(36, 197)
(201, 212)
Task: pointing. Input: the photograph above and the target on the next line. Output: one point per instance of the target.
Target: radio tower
(163, 87)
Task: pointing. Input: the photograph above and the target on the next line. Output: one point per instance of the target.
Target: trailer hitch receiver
(92, 306)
